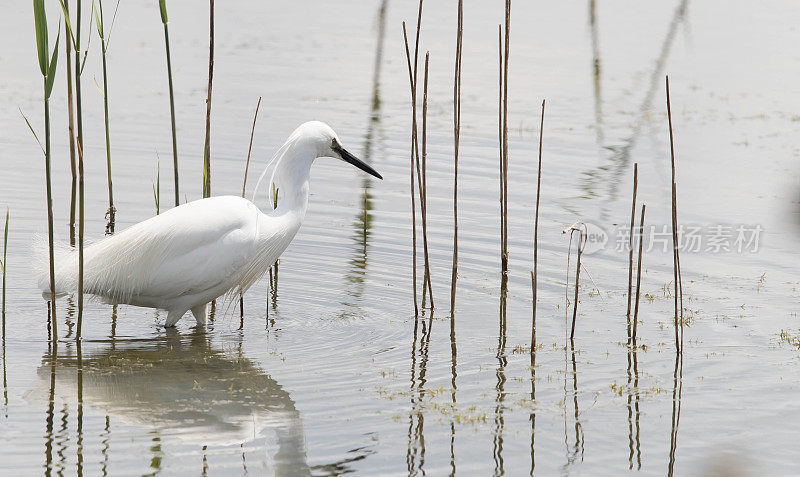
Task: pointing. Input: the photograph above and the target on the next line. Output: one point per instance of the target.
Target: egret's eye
(335, 146)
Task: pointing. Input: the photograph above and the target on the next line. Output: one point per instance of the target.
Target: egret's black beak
(347, 157)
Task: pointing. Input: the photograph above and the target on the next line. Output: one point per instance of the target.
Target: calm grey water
(331, 372)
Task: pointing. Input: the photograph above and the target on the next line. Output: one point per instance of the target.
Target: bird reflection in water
(178, 386)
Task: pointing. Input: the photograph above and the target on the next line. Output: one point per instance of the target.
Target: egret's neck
(292, 176)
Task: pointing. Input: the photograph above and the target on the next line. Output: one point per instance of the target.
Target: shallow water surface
(329, 372)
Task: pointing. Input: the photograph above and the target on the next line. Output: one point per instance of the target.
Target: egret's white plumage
(192, 254)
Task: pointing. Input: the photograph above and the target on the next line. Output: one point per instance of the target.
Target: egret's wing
(186, 250)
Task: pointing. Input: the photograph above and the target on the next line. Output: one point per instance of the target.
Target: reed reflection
(415, 454)
(502, 362)
(50, 414)
(362, 224)
(677, 388)
(611, 171)
(453, 389)
(575, 450)
(596, 73)
(634, 444)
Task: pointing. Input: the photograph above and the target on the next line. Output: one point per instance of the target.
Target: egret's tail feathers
(64, 255)
(107, 270)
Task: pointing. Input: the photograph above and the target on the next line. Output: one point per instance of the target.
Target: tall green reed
(48, 69)
(157, 188)
(165, 20)
(207, 145)
(71, 113)
(104, 41)
(244, 187)
(75, 35)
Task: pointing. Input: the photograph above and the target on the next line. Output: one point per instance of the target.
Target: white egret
(190, 255)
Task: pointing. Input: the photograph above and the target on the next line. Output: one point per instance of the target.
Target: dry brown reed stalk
(207, 147)
(581, 245)
(571, 229)
(630, 239)
(424, 186)
(504, 155)
(500, 132)
(244, 186)
(413, 199)
(638, 275)
(3, 265)
(675, 246)
(534, 272)
(456, 139)
(422, 192)
(415, 164)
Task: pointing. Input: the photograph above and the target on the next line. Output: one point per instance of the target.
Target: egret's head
(327, 144)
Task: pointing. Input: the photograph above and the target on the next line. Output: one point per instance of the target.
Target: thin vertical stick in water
(100, 24)
(79, 147)
(71, 114)
(207, 148)
(250, 148)
(638, 274)
(80, 241)
(456, 139)
(500, 138)
(581, 244)
(244, 186)
(505, 135)
(413, 200)
(675, 245)
(423, 200)
(534, 272)
(630, 238)
(5, 264)
(165, 21)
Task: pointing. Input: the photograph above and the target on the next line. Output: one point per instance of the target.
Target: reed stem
(48, 68)
(54, 322)
(250, 148)
(111, 213)
(5, 264)
(500, 141)
(638, 275)
(244, 186)
(456, 140)
(207, 149)
(675, 245)
(630, 239)
(534, 272)
(79, 145)
(71, 113)
(413, 150)
(165, 21)
(581, 243)
(424, 186)
(505, 135)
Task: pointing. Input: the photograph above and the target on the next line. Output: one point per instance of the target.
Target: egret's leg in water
(173, 317)
(199, 313)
